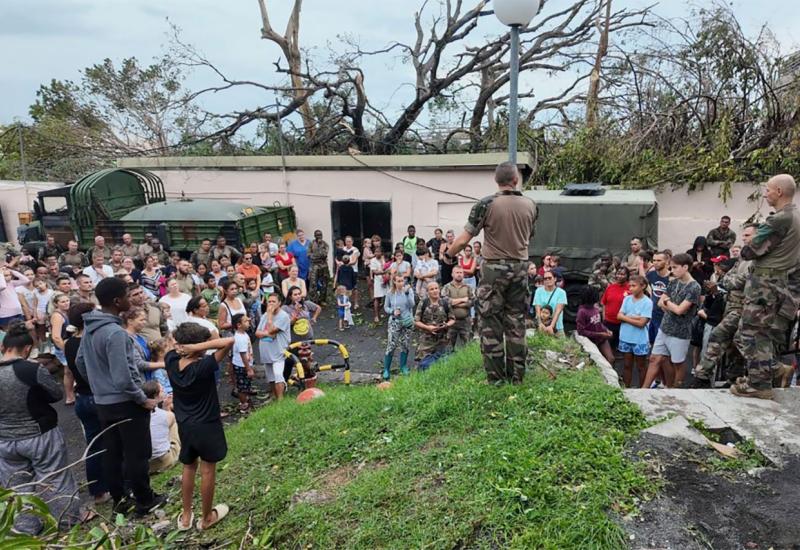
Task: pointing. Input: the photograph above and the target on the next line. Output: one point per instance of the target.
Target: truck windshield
(54, 205)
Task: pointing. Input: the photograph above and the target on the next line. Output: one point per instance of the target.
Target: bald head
(784, 183)
(779, 190)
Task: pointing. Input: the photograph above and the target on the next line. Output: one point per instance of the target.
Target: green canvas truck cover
(580, 229)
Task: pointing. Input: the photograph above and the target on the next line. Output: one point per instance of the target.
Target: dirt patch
(328, 484)
(698, 508)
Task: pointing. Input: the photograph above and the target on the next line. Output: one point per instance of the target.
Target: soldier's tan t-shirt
(507, 219)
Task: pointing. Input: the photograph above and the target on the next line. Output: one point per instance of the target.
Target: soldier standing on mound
(507, 219)
(770, 295)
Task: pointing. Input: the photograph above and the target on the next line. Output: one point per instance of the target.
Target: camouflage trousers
(719, 343)
(502, 298)
(460, 333)
(768, 311)
(431, 343)
(399, 337)
(318, 278)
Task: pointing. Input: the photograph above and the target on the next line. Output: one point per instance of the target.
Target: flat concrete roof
(325, 162)
(610, 196)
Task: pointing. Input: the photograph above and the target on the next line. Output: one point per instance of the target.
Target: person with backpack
(433, 318)
(33, 452)
(399, 305)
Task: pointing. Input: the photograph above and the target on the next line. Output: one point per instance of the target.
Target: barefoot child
(192, 375)
(242, 360)
(634, 340)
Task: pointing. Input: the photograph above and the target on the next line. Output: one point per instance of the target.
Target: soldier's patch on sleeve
(477, 216)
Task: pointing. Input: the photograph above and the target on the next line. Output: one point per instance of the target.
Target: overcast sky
(45, 39)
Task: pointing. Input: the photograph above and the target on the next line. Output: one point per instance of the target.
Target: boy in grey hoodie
(106, 360)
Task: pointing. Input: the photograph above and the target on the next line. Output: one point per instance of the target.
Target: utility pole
(23, 167)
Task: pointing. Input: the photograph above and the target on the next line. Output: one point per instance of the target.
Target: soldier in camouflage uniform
(769, 304)
(603, 273)
(433, 318)
(461, 298)
(721, 340)
(507, 219)
(318, 275)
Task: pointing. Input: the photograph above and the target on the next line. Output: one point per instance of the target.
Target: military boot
(742, 388)
(782, 376)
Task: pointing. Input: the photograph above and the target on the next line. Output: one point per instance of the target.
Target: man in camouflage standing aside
(461, 298)
(507, 219)
(770, 294)
(721, 339)
(318, 275)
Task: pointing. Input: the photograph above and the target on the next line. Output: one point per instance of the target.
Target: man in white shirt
(426, 270)
(98, 270)
(177, 302)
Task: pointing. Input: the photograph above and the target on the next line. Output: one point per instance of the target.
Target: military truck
(585, 221)
(116, 201)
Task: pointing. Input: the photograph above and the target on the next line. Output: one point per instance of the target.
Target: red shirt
(612, 300)
(284, 263)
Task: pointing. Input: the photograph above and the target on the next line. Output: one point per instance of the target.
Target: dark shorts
(6, 321)
(203, 441)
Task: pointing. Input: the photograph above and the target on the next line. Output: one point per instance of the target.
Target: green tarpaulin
(582, 228)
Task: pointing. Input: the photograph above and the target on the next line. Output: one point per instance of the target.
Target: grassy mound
(440, 460)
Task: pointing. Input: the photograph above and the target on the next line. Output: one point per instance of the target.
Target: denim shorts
(636, 349)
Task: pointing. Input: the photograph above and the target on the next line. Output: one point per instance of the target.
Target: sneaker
(157, 502)
(700, 384)
(746, 390)
(124, 505)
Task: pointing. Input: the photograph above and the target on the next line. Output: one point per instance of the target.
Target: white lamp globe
(516, 12)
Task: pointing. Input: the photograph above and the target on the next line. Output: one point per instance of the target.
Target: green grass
(440, 460)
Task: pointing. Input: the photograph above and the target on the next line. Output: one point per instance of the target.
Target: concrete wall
(428, 199)
(13, 201)
(683, 216)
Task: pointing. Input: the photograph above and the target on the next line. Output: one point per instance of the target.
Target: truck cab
(50, 215)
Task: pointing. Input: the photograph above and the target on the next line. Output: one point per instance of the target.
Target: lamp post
(515, 14)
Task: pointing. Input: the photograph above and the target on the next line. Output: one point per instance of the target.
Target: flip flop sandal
(181, 526)
(87, 516)
(221, 511)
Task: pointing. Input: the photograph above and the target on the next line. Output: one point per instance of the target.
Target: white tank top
(159, 432)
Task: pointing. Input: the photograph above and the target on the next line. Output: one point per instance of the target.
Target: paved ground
(365, 342)
(774, 426)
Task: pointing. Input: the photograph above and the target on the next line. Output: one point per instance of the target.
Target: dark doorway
(362, 219)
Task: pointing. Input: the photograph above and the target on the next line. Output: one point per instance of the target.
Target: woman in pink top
(10, 308)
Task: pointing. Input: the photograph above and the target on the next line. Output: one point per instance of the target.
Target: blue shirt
(643, 307)
(546, 298)
(300, 253)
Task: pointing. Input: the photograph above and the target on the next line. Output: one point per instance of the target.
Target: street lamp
(515, 14)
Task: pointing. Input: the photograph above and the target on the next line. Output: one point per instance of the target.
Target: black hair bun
(17, 328)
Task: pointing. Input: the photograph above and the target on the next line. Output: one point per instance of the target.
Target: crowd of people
(658, 308)
(143, 336)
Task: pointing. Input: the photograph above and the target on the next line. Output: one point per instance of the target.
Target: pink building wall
(428, 198)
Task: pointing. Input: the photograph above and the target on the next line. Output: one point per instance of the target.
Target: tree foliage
(644, 101)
